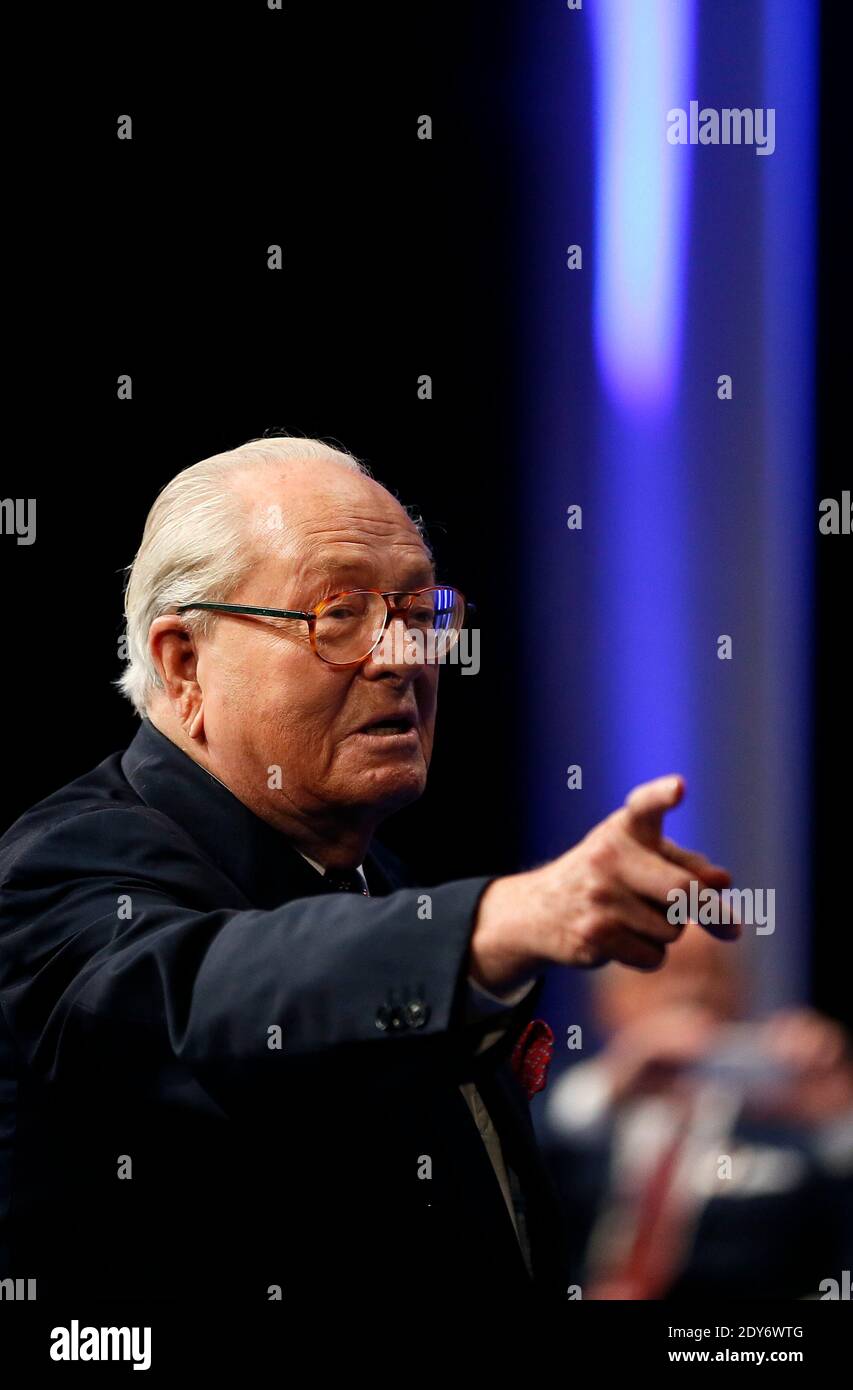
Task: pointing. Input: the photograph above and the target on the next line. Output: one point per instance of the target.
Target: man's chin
(389, 789)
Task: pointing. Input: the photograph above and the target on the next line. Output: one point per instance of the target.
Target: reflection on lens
(350, 627)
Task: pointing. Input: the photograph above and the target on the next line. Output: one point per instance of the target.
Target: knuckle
(599, 891)
(590, 924)
(602, 855)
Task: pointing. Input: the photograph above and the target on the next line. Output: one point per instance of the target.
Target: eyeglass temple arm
(245, 608)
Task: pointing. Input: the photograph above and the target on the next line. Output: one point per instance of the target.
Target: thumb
(647, 805)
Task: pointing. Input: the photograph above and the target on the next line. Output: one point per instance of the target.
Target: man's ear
(173, 651)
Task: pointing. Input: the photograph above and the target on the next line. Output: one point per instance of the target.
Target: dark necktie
(343, 881)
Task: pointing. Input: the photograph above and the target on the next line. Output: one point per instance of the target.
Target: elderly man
(240, 1054)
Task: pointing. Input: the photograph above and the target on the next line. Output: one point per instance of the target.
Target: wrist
(503, 953)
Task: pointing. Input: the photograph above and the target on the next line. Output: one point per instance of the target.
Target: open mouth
(389, 728)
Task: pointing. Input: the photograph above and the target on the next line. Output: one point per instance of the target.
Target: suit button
(389, 1016)
(416, 1013)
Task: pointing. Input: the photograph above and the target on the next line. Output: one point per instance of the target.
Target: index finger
(647, 804)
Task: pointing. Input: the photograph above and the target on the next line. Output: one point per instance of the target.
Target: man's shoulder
(98, 807)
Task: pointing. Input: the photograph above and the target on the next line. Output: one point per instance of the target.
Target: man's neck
(335, 841)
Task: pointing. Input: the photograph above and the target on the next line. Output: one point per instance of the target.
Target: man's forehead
(404, 563)
(359, 546)
(340, 564)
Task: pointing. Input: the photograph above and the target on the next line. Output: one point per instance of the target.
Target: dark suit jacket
(152, 932)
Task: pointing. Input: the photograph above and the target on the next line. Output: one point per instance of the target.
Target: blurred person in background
(697, 1154)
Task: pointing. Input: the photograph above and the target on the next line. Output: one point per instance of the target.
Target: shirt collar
(359, 869)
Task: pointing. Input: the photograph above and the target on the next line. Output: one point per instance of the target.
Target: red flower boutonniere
(531, 1056)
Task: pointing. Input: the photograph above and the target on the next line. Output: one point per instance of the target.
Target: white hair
(194, 546)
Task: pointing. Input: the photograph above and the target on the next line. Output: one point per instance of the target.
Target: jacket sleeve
(111, 941)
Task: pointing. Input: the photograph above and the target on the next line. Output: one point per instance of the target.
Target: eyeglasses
(346, 628)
